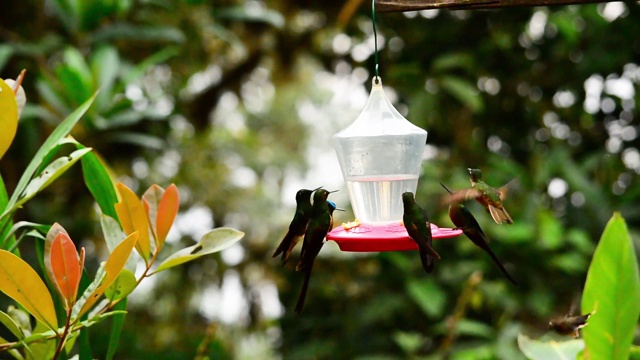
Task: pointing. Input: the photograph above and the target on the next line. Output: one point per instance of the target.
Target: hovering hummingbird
(491, 198)
(416, 222)
(570, 325)
(320, 224)
(464, 220)
(298, 225)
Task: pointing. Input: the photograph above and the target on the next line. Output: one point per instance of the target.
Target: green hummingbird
(416, 222)
(464, 220)
(320, 224)
(298, 225)
(491, 198)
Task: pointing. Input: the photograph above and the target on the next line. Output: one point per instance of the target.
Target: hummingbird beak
(340, 209)
(331, 192)
(446, 188)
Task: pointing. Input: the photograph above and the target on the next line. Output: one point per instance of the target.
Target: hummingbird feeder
(380, 155)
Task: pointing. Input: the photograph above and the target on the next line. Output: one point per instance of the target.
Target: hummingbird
(298, 225)
(416, 222)
(464, 220)
(570, 325)
(491, 198)
(320, 224)
(332, 208)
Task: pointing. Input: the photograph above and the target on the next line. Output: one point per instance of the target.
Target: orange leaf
(150, 200)
(113, 267)
(54, 231)
(21, 283)
(133, 217)
(167, 212)
(66, 267)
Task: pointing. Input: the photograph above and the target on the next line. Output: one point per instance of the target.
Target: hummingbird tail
(303, 292)
(427, 261)
(500, 266)
(499, 215)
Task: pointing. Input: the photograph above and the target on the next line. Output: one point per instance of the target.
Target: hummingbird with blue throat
(320, 224)
(464, 220)
(298, 225)
(491, 198)
(416, 222)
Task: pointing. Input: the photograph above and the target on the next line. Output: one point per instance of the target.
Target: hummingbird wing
(463, 195)
(420, 239)
(507, 188)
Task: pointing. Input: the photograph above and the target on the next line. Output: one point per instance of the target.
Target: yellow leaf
(21, 283)
(113, 267)
(133, 217)
(8, 117)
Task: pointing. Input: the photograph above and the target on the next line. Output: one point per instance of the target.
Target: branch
(413, 5)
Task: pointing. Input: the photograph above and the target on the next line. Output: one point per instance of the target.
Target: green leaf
(117, 324)
(428, 295)
(20, 282)
(463, 90)
(6, 224)
(451, 61)
(68, 12)
(99, 183)
(50, 173)
(122, 287)
(105, 65)
(612, 290)
(160, 57)
(409, 342)
(11, 325)
(259, 14)
(51, 97)
(124, 31)
(551, 230)
(5, 53)
(215, 240)
(550, 350)
(42, 349)
(58, 133)
(84, 345)
(75, 75)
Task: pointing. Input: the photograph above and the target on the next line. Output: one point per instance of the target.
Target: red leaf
(66, 267)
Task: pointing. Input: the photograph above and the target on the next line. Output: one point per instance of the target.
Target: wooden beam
(413, 5)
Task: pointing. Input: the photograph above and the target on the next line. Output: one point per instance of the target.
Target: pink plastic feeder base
(374, 238)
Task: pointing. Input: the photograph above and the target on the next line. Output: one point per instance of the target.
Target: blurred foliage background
(236, 102)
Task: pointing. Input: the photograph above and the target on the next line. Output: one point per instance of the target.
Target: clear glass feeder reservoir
(380, 155)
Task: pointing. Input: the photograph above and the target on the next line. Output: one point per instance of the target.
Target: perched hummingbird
(463, 219)
(569, 325)
(298, 225)
(416, 222)
(319, 225)
(332, 208)
(491, 198)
